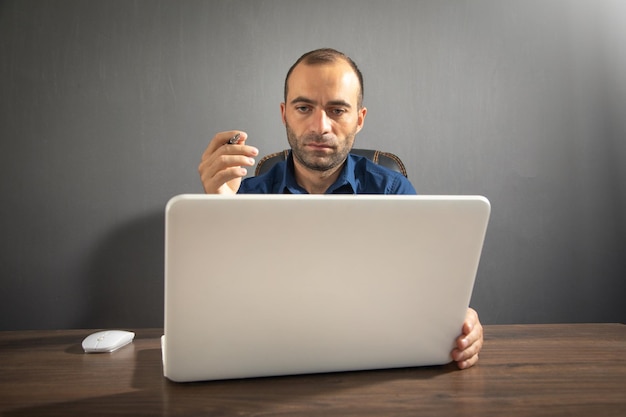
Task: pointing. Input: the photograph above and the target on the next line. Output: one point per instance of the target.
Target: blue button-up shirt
(358, 176)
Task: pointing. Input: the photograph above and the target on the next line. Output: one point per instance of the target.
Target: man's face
(321, 114)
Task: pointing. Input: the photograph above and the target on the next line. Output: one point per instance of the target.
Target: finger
(466, 358)
(468, 346)
(221, 139)
(216, 146)
(220, 155)
(222, 162)
(471, 328)
(212, 180)
(468, 363)
(471, 319)
(228, 181)
(467, 354)
(467, 338)
(217, 171)
(470, 349)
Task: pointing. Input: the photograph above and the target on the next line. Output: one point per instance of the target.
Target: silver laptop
(265, 285)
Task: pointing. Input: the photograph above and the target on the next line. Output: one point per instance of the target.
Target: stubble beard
(319, 160)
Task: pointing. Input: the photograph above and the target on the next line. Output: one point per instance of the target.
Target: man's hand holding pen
(224, 162)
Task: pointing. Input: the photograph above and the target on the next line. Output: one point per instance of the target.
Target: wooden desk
(538, 370)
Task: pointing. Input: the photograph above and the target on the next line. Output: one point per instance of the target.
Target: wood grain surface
(539, 370)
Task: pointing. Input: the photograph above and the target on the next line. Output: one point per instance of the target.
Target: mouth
(319, 146)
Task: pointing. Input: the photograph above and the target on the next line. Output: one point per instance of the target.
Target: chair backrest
(386, 159)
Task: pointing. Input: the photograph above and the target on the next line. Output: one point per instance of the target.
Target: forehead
(328, 81)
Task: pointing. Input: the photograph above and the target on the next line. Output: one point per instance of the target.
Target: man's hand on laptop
(469, 343)
(223, 162)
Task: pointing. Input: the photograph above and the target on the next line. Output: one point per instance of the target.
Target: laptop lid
(263, 285)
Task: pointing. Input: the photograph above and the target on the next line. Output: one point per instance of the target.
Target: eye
(338, 111)
(303, 109)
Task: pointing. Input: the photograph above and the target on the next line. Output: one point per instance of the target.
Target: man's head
(323, 108)
(326, 56)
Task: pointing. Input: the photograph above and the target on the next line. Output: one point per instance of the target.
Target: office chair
(386, 159)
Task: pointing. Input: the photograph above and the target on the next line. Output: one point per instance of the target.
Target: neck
(315, 182)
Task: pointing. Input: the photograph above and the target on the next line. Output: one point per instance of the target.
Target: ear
(361, 118)
(282, 113)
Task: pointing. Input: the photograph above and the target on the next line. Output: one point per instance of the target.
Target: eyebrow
(306, 100)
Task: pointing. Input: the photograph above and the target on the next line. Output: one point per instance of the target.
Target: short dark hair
(327, 56)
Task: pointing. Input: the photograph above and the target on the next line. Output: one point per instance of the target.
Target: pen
(234, 139)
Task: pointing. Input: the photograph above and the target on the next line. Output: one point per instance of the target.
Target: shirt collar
(345, 183)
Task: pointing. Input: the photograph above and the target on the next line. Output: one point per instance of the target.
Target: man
(322, 113)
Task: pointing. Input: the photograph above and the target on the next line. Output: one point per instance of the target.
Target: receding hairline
(326, 56)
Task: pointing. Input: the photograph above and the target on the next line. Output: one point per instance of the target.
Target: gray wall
(106, 107)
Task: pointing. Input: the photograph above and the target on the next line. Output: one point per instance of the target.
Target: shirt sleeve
(401, 186)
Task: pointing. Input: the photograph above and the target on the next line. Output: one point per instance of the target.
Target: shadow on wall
(126, 284)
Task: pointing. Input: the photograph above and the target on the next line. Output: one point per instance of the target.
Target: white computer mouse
(107, 341)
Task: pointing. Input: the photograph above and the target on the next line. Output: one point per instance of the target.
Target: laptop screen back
(261, 285)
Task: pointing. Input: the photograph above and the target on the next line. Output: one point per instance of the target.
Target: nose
(320, 122)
